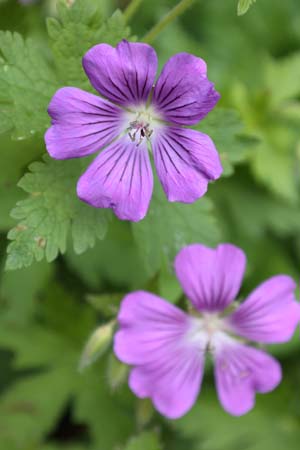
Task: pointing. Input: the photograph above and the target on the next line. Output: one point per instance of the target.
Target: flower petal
(211, 278)
(124, 74)
(153, 337)
(82, 123)
(119, 178)
(146, 322)
(240, 372)
(270, 314)
(186, 160)
(183, 94)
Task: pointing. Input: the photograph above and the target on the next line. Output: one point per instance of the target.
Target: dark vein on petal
(145, 84)
(109, 157)
(162, 159)
(137, 84)
(110, 113)
(176, 151)
(172, 100)
(162, 86)
(132, 171)
(171, 160)
(180, 107)
(172, 89)
(125, 166)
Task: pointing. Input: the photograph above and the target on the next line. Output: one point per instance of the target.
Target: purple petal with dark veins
(119, 178)
(183, 94)
(186, 160)
(125, 74)
(82, 123)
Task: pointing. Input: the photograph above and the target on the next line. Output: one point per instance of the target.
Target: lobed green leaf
(27, 83)
(50, 213)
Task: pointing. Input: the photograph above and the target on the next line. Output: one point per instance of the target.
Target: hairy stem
(167, 19)
(131, 9)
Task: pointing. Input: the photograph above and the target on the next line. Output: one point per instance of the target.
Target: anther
(141, 128)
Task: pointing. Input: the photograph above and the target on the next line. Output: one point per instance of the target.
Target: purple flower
(167, 346)
(134, 115)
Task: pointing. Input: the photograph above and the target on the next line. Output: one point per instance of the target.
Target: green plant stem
(131, 9)
(168, 18)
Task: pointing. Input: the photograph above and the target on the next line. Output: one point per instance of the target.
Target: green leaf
(114, 260)
(242, 200)
(19, 292)
(275, 158)
(170, 226)
(51, 211)
(14, 159)
(110, 417)
(117, 372)
(48, 351)
(75, 31)
(107, 304)
(144, 412)
(145, 441)
(269, 426)
(26, 85)
(275, 161)
(282, 78)
(243, 6)
(226, 129)
(25, 406)
(168, 285)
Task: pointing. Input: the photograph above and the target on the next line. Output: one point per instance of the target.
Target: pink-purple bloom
(166, 346)
(133, 113)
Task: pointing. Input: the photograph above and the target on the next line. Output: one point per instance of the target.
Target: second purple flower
(133, 115)
(167, 347)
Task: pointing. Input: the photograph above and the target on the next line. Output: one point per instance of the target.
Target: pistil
(139, 127)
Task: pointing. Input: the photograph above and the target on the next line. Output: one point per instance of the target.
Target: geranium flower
(167, 346)
(133, 114)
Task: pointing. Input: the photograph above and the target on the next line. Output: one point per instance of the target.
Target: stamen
(138, 130)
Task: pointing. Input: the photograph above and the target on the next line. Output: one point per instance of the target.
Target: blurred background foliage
(69, 265)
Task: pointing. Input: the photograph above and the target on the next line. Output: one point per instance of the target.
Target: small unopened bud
(116, 372)
(97, 344)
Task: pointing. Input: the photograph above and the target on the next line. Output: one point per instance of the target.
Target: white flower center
(142, 123)
(207, 331)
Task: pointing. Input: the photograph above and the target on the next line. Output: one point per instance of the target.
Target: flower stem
(168, 18)
(131, 9)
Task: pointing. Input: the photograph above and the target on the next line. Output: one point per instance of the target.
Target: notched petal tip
(210, 277)
(183, 94)
(124, 74)
(240, 373)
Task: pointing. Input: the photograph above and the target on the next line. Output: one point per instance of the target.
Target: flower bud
(97, 344)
